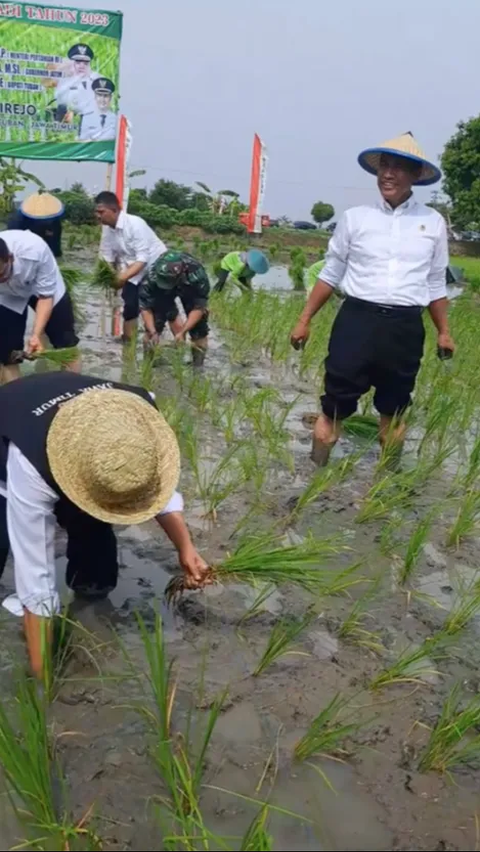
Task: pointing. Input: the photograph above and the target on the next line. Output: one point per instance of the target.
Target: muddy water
(376, 799)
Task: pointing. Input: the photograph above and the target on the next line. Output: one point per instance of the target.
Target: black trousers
(92, 560)
(222, 280)
(372, 346)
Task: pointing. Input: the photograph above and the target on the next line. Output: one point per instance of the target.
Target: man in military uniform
(101, 124)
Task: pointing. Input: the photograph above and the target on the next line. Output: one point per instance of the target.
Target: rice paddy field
(323, 694)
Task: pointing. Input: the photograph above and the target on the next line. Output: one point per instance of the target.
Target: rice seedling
(353, 629)
(34, 781)
(465, 607)
(283, 634)
(467, 518)
(385, 496)
(327, 733)
(296, 270)
(104, 276)
(454, 741)
(415, 547)
(257, 838)
(265, 558)
(414, 665)
(362, 426)
(473, 466)
(257, 606)
(180, 767)
(216, 481)
(324, 479)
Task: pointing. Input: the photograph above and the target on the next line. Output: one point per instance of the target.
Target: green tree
(167, 193)
(322, 212)
(461, 169)
(13, 179)
(219, 201)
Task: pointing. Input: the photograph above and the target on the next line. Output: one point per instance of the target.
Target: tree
(218, 200)
(13, 179)
(461, 169)
(322, 212)
(170, 194)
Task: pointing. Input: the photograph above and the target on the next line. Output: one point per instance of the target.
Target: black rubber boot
(198, 356)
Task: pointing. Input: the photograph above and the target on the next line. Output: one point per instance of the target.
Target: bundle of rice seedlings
(72, 277)
(265, 558)
(104, 276)
(362, 426)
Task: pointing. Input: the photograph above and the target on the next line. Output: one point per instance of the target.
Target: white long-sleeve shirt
(31, 526)
(76, 93)
(131, 241)
(98, 127)
(35, 271)
(392, 257)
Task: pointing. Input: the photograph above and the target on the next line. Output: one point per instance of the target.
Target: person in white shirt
(74, 93)
(87, 454)
(389, 261)
(132, 247)
(101, 124)
(29, 275)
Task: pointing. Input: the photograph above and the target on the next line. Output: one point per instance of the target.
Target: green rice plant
(362, 426)
(296, 270)
(34, 781)
(104, 276)
(257, 838)
(324, 479)
(72, 277)
(390, 493)
(467, 518)
(283, 634)
(274, 251)
(257, 606)
(178, 764)
(216, 481)
(327, 734)
(465, 607)
(72, 241)
(412, 666)
(353, 629)
(473, 466)
(59, 357)
(454, 741)
(415, 547)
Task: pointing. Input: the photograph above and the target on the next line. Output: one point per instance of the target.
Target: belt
(384, 310)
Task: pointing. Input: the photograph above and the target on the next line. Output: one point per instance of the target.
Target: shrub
(79, 208)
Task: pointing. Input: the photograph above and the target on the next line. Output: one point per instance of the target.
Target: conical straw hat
(403, 146)
(42, 205)
(114, 456)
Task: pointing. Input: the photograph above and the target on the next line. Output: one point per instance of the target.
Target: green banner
(59, 75)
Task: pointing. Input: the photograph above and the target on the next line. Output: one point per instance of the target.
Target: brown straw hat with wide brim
(114, 456)
(42, 205)
(403, 146)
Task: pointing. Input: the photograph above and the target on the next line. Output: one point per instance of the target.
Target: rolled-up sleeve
(31, 529)
(437, 278)
(337, 255)
(176, 504)
(47, 277)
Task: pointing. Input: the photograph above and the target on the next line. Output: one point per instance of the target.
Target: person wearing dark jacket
(41, 214)
(88, 454)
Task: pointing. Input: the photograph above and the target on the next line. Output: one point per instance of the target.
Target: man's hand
(34, 345)
(152, 338)
(300, 335)
(196, 569)
(445, 341)
(121, 280)
(180, 337)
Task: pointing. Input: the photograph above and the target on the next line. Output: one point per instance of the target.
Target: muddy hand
(197, 572)
(300, 335)
(34, 346)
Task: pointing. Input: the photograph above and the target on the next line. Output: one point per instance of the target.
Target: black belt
(384, 310)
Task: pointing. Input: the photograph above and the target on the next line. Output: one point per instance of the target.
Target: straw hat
(114, 456)
(42, 205)
(403, 146)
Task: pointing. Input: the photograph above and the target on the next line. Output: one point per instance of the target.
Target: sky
(318, 81)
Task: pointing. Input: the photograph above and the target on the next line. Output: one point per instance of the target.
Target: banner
(122, 188)
(59, 73)
(257, 186)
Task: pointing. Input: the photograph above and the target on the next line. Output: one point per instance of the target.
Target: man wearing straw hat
(389, 260)
(29, 275)
(88, 454)
(41, 213)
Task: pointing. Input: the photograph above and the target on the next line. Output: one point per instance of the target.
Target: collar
(409, 204)
(121, 221)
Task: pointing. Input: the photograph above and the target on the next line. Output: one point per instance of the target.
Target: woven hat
(114, 456)
(403, 146)
(42, 205)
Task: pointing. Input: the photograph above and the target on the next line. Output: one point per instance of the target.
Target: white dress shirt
(392, 257)
(35, 271)
(98, 127)
(76, 93)
(131, 241)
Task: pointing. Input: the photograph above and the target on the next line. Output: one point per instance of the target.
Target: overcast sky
(318, 81)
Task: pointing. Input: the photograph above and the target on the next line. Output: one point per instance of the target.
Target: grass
(454, 741)
(281, 637)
